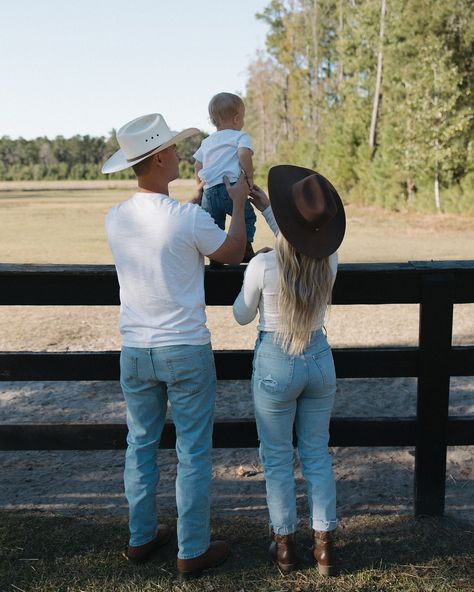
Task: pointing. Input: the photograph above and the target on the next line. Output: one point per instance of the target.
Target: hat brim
(318, 244)
(118, 161)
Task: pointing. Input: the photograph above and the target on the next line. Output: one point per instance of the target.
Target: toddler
(227, 151)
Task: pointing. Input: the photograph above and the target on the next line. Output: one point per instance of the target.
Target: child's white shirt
(218, 155)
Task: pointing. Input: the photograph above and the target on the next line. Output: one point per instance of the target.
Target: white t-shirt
(218, 154)
(158, 247)
(260, 289)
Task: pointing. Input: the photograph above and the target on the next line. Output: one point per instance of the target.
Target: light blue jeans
(295, 391)
(185, 375)
(217, 203)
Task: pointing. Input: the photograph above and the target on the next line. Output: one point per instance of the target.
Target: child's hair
(305, 286)
(223, 106)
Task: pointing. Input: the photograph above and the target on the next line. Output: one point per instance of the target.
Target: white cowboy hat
(142, 137)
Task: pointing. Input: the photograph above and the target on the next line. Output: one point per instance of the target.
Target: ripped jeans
(295, 391)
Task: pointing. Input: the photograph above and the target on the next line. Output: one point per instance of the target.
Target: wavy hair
(304, 291)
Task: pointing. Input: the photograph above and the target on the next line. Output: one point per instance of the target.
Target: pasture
(64, 223)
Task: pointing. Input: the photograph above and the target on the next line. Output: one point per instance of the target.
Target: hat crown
(142, 135)
(308, 210)
(314, 202)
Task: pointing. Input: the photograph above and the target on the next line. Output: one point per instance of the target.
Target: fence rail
(435, 286)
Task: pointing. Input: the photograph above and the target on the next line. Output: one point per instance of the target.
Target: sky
(87, 66)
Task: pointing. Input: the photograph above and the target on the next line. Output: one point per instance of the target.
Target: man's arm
(233, 248)
(245, 159)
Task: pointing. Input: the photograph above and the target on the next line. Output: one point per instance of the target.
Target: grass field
(377, 554)
(65, 224)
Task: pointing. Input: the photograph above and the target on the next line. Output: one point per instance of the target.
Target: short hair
(223, 106)
(142, 167)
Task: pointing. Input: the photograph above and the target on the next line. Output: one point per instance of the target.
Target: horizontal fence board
(368, 283)
(230, 364)
(460, 431)
(396, 431)
(58, 285)
(462, 361)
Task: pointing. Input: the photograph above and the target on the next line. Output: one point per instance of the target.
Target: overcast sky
(86, 66)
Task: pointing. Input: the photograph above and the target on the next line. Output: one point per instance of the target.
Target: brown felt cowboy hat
(308, 210)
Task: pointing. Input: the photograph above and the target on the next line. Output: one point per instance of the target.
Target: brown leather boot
(143, 553)
(216, 554)
(283, 551)
(323, 552)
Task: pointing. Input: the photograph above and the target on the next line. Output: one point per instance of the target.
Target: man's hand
(196, 198)
(259, 198)
(239, 191)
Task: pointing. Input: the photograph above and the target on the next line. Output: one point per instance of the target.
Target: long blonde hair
(304, 291)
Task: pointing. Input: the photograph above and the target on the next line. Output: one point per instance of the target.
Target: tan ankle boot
(283, 551)
(323, 552)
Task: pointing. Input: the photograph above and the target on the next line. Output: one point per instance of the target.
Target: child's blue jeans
(217, 202)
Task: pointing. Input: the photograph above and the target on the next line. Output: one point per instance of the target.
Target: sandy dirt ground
(369, 479)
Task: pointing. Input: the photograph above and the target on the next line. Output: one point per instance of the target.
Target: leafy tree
(377, 94)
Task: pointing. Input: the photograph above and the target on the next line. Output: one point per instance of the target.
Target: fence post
(436, 322)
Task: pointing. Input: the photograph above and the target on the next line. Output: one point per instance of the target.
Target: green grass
(45, 552)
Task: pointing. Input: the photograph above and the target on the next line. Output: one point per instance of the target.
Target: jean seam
(169, 365)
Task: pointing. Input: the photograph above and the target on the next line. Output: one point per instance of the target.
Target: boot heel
(286, 568)
(327, 570)
(185, 577)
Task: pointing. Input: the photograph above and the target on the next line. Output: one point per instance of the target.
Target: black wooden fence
(436, 286)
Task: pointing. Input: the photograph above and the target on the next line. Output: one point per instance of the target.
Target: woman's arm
(259, 199)
(246, 304)
(333, 262)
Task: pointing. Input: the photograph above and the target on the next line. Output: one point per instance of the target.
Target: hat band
(144, 154)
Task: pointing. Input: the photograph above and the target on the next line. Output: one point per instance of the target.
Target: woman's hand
(258, 198)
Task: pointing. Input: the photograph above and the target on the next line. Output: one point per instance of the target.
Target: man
(158, 246)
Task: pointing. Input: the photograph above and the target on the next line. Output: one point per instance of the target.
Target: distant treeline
(79, 157)
(376, 94)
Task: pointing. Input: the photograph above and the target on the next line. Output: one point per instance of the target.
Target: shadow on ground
(46, 552)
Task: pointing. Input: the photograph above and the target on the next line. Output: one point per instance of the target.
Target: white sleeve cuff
(270, 220)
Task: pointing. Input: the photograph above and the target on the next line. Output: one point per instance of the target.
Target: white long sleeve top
(260, 288)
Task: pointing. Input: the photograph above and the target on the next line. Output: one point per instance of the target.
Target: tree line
(376, 94)
(79, 157)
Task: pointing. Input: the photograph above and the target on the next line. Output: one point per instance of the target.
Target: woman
(293, 380)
